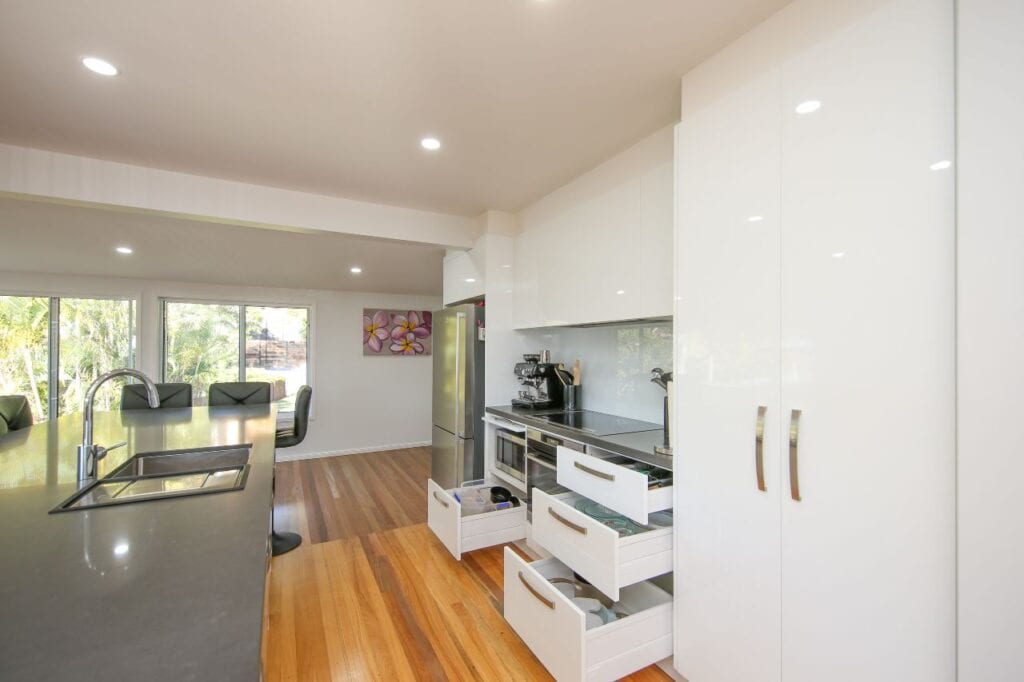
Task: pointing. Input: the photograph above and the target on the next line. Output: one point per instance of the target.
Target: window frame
(241, 304)
(54, 297)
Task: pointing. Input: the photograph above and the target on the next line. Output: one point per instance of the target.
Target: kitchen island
(168, 589)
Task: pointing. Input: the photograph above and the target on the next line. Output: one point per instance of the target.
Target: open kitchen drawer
(555, 629)
(461, 532)
(607, 478)
(606, 559)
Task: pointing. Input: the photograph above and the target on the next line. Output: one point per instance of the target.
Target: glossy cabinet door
(526, 298)
(727, 596)
(868, 350)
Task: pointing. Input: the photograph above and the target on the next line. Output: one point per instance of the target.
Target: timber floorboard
(371, 594)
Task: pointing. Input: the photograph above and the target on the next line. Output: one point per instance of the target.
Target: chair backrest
(302, 413)
(15, 412)
(134, 397)
(239, 393)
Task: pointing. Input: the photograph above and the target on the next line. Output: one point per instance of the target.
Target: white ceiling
(73, 240)
(332, 96)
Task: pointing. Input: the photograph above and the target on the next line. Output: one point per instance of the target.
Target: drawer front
(614, 486)
(466, 533)
(587, 546)
(444, 517)
(544, 618)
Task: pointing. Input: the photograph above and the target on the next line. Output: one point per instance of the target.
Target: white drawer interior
(596, 551)
(616, 482)
(555, 628)
(466, 528)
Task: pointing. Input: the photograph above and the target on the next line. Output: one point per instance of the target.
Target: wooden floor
(371, 594)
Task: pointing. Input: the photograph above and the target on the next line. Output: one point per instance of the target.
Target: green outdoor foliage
(201, 345)
(95, 336)
(24, 348)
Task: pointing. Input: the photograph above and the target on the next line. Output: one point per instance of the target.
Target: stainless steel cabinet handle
(440, 499)
(542, 599)
(762, 410)
(594, 472)
(794, 451)
(566, 522)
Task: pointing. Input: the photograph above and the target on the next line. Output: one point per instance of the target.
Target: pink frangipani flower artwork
(397, 332)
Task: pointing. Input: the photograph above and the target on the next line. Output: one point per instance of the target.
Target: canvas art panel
(396, 332)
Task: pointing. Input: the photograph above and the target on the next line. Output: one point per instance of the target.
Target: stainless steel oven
(510, 453)
(542, 463)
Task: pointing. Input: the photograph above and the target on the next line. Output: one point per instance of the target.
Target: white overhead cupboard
(815, 350)
(599, 249)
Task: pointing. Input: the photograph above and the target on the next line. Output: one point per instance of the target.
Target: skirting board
(285, 456)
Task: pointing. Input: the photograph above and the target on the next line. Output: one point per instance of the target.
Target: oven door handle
(512, 439)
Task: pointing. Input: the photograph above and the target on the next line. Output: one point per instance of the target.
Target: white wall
(359, 403)
(990, 175)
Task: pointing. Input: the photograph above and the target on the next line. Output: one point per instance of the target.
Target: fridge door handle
(460, 392)
(762, 410)
(794, 451)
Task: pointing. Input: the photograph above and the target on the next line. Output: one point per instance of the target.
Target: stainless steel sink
(182, 461)
(166, 474)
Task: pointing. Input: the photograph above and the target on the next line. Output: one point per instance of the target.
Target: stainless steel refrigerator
(458, 395)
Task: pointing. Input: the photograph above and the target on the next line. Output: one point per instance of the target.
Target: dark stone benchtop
(639, 445)
(163, 590)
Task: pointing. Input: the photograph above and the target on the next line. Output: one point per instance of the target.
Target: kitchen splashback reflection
(617, 362)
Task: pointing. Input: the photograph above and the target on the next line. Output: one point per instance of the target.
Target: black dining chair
(285, 541)
(15, 413)
(133, 396)
(239, 393)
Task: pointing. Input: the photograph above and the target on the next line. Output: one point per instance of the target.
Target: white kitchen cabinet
(834, 313)
(728, 533)
(555, 628)
(527, 305)
(605, 477)
(607, 560)
(600, 248)
(460, 532)
(463, 279)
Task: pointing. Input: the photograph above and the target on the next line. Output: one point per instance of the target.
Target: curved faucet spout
(88, 453)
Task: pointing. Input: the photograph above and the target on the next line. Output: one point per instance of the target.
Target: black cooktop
(598, 423)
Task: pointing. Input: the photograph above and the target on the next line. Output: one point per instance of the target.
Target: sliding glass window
(204, 343)
(52, 348)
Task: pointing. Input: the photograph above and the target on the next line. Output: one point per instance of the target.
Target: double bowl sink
(166, 474)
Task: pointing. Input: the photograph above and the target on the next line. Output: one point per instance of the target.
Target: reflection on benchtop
(45, 454)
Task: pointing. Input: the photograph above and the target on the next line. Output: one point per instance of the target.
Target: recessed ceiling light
(941, 165)
(126, 250)
(808, 107)
(430, 143)
(838, 254)
(620, 292)
(121, 549)
(756, 218)
(470, 280)
(355, 270)
(100, 66)
(506, 266)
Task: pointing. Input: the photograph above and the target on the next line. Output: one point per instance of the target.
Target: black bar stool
(15, 413)
(285, 541)
(133, 396)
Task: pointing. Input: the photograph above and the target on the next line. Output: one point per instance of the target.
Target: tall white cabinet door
(727, 365)
(868, 355)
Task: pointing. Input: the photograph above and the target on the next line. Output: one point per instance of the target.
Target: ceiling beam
(41, 175)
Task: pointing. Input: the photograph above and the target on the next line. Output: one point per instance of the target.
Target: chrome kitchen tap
(88, 453)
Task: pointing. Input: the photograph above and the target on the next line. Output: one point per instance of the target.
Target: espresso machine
(543, 383)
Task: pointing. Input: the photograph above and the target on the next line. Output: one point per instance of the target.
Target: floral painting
(396, 332)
